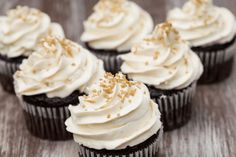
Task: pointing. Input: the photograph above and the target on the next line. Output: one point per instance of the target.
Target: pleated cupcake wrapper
(46, 122)
(150, 150)
(7, 70)
(217, 64)
(112, 62)
(176, 108)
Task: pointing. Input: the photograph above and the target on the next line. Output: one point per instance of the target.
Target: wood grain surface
(210, 133)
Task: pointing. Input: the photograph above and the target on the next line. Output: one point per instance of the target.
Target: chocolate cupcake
(170, 69)
(117, 118)
(20, 31)
(50, 80)
(211, 31)
(113, 27)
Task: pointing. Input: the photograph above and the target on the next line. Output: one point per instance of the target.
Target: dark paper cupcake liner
(217, 61)
(149, 148)
(46, 121)
(176, 107)
(7, 70)
(112, 62)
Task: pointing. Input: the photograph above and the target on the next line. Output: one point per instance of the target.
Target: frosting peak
(203, 24)
(110, 6)
(57, 68)
(25, 14)
(201, 2)
(115, 114)
(117, 25)
(164, 34)
(22, 28)
(162, 60)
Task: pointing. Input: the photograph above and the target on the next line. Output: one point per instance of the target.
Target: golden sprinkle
(109, 82)
(50, 43)
(47, 84)
(185, 61)
(24, 14)
(114, 6)
(67, 81)
(201, 2)
(164, 34)
(109, 116)
(90, 101)
(146, 63)
(156, 55)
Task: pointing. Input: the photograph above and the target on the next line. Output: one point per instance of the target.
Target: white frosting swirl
(117, 25)
(57, 68)
(21, 30)
(162, 60)
(116, 113)
(203, 24)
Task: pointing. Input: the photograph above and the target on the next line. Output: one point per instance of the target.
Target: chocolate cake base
(112, 62)
(148, 148)
(175, 105)
(8, 66)
(45, 116)
(217, 61)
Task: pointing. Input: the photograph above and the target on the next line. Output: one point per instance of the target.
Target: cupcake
(51, 79)
(117, 118)
(166, 64)
(20, 31)
(113, 27)
(210, 31)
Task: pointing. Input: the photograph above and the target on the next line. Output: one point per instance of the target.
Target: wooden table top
(210, 133)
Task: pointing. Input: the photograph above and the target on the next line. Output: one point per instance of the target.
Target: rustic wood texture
(210, 133)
